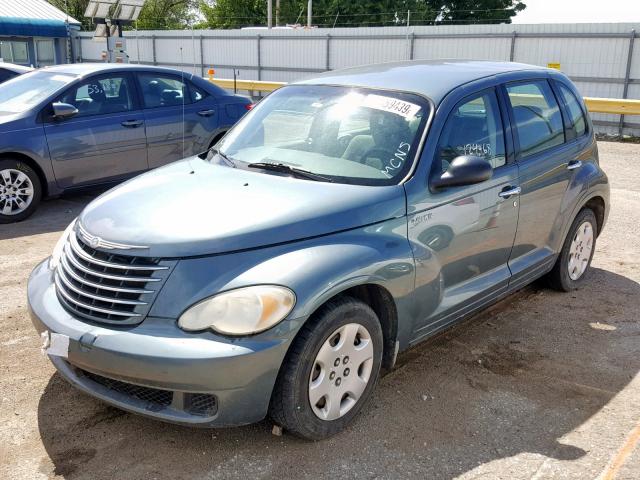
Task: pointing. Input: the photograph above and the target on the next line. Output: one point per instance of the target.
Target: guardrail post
(259, 60)
(201, 57)
(513, 46)
(327, 55)
(625, 89)
(153, 48)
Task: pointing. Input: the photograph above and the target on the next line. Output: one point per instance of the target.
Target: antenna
(183, 93)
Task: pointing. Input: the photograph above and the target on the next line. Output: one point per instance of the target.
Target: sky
(579, 11)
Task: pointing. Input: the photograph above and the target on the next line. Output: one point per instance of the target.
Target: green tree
(75, 9)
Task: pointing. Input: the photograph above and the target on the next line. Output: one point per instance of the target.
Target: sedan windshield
(340, 134)
(26, 91)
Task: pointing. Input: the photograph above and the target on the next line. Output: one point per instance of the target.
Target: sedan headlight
(54, 260)
(243, 311)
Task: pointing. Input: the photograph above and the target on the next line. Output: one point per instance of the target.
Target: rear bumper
(237, 374)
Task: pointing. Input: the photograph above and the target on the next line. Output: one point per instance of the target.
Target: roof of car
(430, 78)
(15, 68)
(94, 67)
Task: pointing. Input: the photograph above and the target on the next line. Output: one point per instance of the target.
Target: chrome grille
(107, 287)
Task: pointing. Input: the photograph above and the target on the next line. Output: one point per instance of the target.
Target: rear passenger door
(105, 140)
(164, 97)
(543, 156)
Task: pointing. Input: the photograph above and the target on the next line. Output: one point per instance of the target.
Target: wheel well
(382, 303)
(596, 204)
(33, 164)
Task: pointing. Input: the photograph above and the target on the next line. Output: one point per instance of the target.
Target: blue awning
(32, 27)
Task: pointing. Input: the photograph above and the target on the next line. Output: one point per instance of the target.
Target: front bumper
(156, 355)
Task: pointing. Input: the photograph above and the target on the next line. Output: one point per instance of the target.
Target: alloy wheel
(16, 191)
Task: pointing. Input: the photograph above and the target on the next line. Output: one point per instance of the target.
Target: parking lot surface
(543, 385)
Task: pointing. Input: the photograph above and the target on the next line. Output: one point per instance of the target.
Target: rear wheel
(330, 371)
(20, 191)
(572, 265)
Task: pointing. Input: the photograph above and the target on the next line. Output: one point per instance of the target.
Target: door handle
(131, 123)
(206, 113)
(509, 191)
(574, 164)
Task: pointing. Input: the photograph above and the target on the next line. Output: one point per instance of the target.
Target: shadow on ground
(513, 379)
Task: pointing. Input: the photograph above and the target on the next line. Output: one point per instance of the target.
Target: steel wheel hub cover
(341, 371)
(580, 251)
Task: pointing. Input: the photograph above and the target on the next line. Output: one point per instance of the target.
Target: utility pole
(269, 8)
(277, 12)
(309, 13)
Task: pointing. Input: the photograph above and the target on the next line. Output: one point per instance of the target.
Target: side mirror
(464, 170)
(62, 111)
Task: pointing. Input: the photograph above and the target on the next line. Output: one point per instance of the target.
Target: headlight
(57, 250)
(243, 311)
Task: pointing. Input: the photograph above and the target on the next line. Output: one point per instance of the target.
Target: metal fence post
(79, 43)
(625, 88)
(412, 39)
(259, 60)
(513, 46)
(328, 53)
(201, 57)
(153, 48)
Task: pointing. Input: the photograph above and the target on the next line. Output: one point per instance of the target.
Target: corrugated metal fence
(600, 58)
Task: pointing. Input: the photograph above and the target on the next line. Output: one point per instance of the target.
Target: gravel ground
(543, 385)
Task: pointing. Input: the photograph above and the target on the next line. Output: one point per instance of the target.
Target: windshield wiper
(296, 172)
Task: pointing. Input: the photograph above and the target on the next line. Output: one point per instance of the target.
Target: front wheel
(330, 370)
(573, 263)
(20, 191)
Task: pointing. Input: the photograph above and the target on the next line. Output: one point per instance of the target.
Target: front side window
(473, 128)
(578, 122)
(162, 90)
(101, 96)
(537, 116)
(350, 135)
(26, 91)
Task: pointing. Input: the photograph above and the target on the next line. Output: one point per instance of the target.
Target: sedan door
(462, 236)
(105, 141)
(180, 118)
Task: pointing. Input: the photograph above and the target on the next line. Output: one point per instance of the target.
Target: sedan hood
(193, 207)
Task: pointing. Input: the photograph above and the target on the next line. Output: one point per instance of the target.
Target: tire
(17, 177)
(563, 275)
(291, 405)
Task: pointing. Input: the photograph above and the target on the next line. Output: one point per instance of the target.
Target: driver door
(105, 141)
(462, 236)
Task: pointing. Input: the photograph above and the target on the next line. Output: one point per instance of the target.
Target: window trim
(47, 114)
(569, 126)
(516, 136)
(436, 163)
(184, 79)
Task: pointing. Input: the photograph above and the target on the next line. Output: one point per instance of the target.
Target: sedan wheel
(16, 191)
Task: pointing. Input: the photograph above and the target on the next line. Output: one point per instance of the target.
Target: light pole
(269, 18)
(309, 12)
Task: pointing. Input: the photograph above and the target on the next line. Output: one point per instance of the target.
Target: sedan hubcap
(16, 191)
(341, 371)
(580, 250)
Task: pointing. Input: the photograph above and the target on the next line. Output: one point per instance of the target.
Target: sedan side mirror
(464, 170)
(62, 111)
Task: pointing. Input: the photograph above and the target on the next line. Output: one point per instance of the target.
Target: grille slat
(105, 286)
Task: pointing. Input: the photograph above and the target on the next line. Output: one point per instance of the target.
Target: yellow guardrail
(594, 105)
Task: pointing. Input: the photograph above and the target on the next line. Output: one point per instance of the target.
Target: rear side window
(537, 116)
(196, 93)
(473, 128)
(576, 115)
(163, 90)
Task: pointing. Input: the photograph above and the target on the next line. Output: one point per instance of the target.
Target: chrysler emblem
(96, 242)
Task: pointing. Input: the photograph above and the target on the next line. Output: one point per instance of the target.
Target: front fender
(315, 269)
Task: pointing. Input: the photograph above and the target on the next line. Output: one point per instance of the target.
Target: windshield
(26, 91)
(346, 134)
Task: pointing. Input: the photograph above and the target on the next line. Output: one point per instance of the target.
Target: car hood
(193, 207)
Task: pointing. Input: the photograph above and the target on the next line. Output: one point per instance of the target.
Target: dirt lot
(544, 385)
